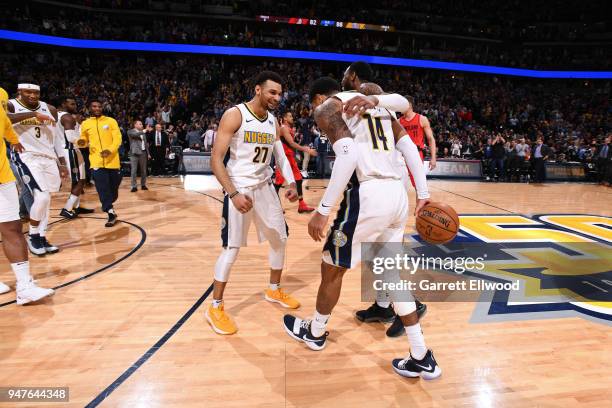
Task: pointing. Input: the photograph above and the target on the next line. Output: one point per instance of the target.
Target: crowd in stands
(429, 31)
(470, 114)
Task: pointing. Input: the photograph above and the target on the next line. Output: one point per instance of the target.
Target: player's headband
(29, 86)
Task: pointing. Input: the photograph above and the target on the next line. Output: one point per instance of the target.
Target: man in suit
(158, 148)
(540, 155)
(604, 155)
(139, 152)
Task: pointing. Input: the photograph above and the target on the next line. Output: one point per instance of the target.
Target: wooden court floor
(127, 328)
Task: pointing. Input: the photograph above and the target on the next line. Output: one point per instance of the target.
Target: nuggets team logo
(105, 127)
(563, 263)
(26, 179)
(339, 238)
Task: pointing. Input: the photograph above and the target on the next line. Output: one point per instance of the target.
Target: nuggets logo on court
(339, 239)
(563, 261)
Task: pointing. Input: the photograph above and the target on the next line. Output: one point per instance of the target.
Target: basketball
(437, 223)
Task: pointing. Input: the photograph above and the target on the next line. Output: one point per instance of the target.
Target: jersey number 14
(377, 132)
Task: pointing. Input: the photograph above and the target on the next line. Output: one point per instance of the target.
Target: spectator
(139, 153)
(158, 148)
(540, 155)
(209, 137)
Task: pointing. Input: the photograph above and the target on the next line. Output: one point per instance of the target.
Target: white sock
(22, 272)
(319, 323)
(216, 303)
(71, 202)
(77, 204)
(418, 349)
(42, 226)
(111, 211)
(275, 286)
(383, 304)
(33, 229)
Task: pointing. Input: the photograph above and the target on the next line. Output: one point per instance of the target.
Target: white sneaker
(30, 292)
(304, 174)
(4, 288)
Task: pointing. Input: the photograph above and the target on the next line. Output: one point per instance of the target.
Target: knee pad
(42, 200)
(224, 263)
(276, 255)
(404, 308)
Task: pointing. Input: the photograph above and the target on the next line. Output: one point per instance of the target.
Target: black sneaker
(81, 210)
(70, 215)
(144, 188)
(427, 368)
(49, 247)
(36, 245)
(376, 313)
(133, 190)
(397, 328)
(300, 330)
(112, 220)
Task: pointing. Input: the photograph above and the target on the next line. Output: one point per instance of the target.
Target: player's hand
(420, 203)
(42, 117)
(313, 152)
(359, 104)
(432, 163)
(63, 171)
(18, 147)
(316, 225)
(105, 153)
(291, 193)
(242, 203)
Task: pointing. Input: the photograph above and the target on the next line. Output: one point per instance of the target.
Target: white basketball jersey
(250, 151)
(60, 115)
(34, 135)
(373, 135)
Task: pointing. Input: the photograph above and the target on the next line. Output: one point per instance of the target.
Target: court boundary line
(150, 352)
(143, 238)
(164, 339)
(472, 199)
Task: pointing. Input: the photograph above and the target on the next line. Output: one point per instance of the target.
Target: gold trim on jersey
(30, 109)
(254, 115)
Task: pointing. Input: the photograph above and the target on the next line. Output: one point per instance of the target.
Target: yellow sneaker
(278, 296)
(220, 321)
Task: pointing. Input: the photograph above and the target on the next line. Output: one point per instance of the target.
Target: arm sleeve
(344, 167)
(283, 162)
(393, 102)
(411, 154)
(58, 141)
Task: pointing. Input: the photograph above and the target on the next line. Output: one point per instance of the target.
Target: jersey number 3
(37, 131)
(261, 154)
(376, 132)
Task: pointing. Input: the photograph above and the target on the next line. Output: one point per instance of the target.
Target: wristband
(234, 194)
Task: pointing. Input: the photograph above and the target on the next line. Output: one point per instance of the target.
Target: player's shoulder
(346, 95)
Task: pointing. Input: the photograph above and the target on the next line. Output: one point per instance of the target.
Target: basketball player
(358, 76)
(35, 123)
(287, 137)
(417, 126)
(101, 133)
(374, 209)
(250, 132)
(13, 242)
(69, 127)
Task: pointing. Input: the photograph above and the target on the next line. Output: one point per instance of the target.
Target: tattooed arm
(329, 119)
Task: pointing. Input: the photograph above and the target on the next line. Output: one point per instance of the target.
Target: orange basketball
(437, 223)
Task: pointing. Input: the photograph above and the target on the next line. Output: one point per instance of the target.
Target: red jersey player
(287, 133)
(417, 126)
